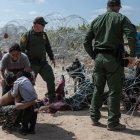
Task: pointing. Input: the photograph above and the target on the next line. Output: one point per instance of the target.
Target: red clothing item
(60, 93)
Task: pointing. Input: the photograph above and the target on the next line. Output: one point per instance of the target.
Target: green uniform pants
(107, 70)
(46, 72)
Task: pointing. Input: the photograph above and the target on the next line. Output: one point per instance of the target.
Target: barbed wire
(65, 37)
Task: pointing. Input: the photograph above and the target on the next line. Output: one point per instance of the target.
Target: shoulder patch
(23, 39)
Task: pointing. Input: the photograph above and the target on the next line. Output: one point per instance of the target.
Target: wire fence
(83, 89)
(66, 36)
(63, 32)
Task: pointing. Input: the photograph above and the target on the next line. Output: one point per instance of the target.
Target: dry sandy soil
(76, 125)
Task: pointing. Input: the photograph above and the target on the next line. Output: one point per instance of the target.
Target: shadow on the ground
(132, 131)
(45, 131)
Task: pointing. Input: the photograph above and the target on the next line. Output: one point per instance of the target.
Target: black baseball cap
(40, 20)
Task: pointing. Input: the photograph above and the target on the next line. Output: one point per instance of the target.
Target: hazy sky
(87, 9)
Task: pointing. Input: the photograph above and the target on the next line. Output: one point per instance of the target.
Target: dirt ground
(76, 125)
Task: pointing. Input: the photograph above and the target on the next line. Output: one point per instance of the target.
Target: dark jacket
(35, 45)
(108, 30)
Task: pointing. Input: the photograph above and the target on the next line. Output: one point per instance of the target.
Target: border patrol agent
(35, 44)
(108, 30)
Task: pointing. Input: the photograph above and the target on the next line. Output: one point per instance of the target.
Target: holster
(120, 54)
(103, 51)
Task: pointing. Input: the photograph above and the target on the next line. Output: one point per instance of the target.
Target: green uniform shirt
(108, 31)
(35, 45)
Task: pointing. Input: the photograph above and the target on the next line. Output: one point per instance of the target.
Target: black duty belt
(104, 51)
(37, 61)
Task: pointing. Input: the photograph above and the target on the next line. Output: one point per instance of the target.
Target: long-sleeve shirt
(36, 45)
(108, 32)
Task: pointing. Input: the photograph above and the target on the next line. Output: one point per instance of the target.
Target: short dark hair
(14, 47)
(114, 3)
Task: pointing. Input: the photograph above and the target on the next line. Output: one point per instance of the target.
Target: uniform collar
(110, 10)
(36, 33)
